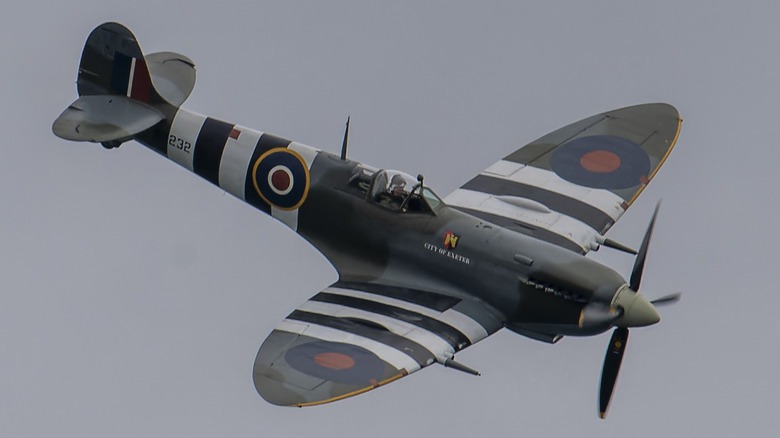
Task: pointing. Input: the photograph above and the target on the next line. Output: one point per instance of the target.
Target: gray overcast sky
(134, 295)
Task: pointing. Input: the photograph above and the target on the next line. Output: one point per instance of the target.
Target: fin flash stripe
(130, 77)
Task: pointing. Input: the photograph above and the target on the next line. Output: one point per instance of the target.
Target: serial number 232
(179, 143)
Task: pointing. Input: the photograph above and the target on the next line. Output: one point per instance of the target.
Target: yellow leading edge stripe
(353, 393)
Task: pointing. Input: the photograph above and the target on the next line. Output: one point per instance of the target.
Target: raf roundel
(601, 161)
(281, 177)
(342, 363)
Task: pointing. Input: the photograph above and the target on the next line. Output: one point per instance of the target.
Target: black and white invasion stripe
(224, 154)
(423, 327)
(537, 202)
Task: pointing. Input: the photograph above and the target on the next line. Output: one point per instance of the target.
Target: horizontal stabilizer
(173, 75)
(101, 118)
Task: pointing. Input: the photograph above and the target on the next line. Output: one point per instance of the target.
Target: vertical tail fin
(112, 64)
(123, 93)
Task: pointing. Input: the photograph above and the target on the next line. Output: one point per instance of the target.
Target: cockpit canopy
(391, 183)
(396, 190)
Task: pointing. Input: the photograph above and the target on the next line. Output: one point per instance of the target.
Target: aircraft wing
(570, 186)
(354, 336)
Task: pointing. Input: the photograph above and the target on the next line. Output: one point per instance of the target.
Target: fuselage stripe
(235, 160)
(209, 147)
(452, 335)
(420, 354)
(182, 136)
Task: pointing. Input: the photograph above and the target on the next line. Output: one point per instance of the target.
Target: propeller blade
(609, 374)
(639, 263)
(668, 299)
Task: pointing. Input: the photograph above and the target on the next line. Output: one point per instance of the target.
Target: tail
(122, 92)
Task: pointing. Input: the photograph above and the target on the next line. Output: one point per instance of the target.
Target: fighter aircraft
(420, 277)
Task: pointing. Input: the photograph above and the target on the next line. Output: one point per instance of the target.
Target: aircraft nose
(637, 310)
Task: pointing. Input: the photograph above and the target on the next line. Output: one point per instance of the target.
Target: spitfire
(420, 277)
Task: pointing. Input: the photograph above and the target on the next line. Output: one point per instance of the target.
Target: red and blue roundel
(601, 161)
(339, 362)
(281, 177)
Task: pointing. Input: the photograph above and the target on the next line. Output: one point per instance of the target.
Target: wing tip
(298, 370)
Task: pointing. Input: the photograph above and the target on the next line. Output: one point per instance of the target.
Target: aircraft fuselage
(539, 288)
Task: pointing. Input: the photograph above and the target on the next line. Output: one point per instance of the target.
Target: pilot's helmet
(398, 181)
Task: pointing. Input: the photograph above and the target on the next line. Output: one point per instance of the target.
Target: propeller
(639, 263)
(612, 360)
(637, 311)
(666, 300)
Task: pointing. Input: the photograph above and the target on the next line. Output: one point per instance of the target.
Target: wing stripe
(454, 337)
(563, 204)
(343, 342)
(467, 326)
(600, 199)
(520, 227)
(430, 300)
(539, 203)
(388, 354)
(431, 340)
(527, 214)
(370, 330)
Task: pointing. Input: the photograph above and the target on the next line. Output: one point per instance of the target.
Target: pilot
(397, 186)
